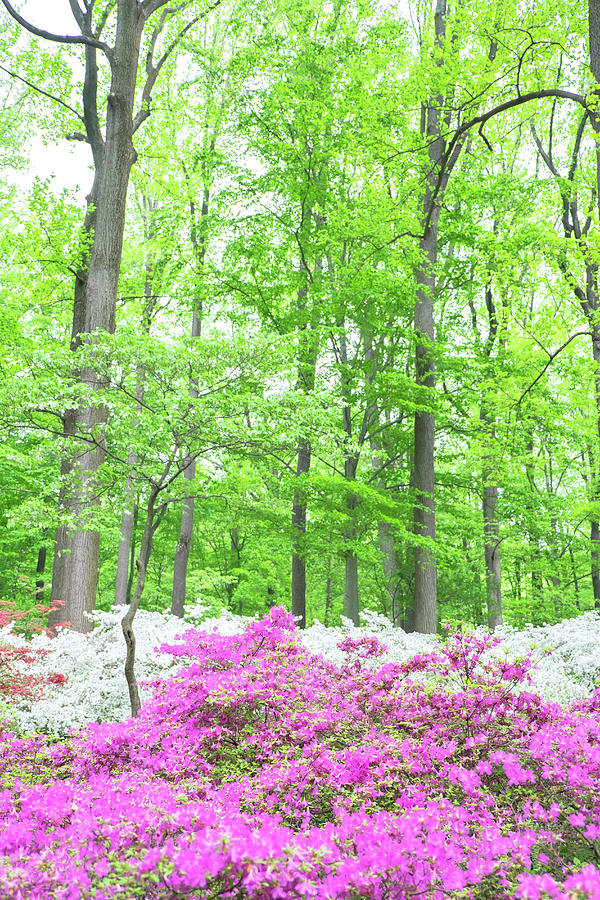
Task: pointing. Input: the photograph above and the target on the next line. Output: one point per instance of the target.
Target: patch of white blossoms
(567, 655)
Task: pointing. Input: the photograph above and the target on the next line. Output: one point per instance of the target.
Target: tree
(76, 551)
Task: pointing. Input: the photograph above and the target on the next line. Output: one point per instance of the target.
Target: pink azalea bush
(260, 770)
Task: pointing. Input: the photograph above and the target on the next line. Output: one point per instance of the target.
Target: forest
(322, 327)
(300, 369)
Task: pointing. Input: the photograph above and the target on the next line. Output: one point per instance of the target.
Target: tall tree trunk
(327, 614)
(307, 368)
(136, 512)
(124, 548)
(78, 568)
(63, 538)
(535, 554)
(387, 544)
(186, 527)
(585, 290)
(148, 208)
(299, 538)
(425, 606)
(489, 486)
(594, 524)
(595, 558)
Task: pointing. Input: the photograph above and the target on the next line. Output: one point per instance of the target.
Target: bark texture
(127, 620)
(77, 547)
(425, 606)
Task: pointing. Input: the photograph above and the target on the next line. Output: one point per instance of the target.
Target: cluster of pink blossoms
(261, 771)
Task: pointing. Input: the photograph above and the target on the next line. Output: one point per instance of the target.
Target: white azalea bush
(567, 656)
(93, 664)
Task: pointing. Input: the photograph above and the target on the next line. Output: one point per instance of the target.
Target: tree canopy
(325, 330)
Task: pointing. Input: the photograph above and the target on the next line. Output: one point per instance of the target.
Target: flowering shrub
(571, 670)
(259, 770)
(92, 668)
(96, 691)
(17, 680)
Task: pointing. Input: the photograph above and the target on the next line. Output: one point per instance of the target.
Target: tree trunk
(127, 620)
(124, 550)
(136, 512)
(387, 548)
(307, 368)
(327, 615)
(491, 529)
(40, 585)
(186, 528)
(182, 552)
(594, 524)
(491, 536)
(387, 544)
(351, 604)
(78, 551)
(595, 556)
(148, 207)
(298, 538)
(425, 606)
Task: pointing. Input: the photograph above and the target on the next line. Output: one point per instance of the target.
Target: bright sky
(68, 162)
(53, 15)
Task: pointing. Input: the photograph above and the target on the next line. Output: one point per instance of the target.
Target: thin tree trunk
(595, 557)
(535, 555)
(489, 491)
(299, 538)
(327, 594)
(594, 524)
(124, 552)
(40, 584)
(127, 620)
(307, 368)
(575, 577)
(124, 549)
(136, 511)
(387, 548)
(586, 291)
(148, 209)
(518, 589)
(186, 527)
(491, 533)
(351, 600)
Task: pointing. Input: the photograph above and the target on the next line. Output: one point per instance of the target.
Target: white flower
(96, 690)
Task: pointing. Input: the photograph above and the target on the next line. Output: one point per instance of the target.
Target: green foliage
(278, 198)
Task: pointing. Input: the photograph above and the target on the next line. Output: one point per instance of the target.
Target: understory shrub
(260, 770)
(94, 690)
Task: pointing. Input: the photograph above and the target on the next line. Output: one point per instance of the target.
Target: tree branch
(153, 69)
(40, 90)
(58, 38)
(551, 358)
